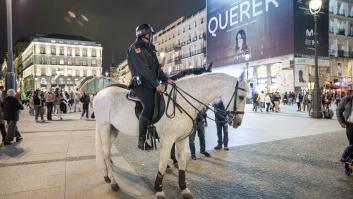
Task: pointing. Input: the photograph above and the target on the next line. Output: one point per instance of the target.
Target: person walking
(38, 105)
(11, 114)
(49, 100)
(268, 101)
(77, 100)
(221, 124)
(262, 100)
(57, 102)
(200, 129)
(85, 104)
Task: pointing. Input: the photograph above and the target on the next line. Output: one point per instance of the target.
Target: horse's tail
(99, 150)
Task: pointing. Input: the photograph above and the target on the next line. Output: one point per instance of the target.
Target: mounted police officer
(147, 77)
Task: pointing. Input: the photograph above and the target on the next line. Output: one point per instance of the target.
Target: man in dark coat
(146, 75)
(221, 123)
(11, 114)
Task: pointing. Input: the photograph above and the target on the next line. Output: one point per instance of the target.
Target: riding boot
(143, 125)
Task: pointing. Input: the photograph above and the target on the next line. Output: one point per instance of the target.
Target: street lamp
(315, 7)
(11, 76)
(247, 57)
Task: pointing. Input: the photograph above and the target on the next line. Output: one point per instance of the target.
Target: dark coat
(11, 108)
(143, 62)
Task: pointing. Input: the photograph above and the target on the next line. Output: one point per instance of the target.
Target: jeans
(200, 128)
(85, 110)
(349, 132)
(223, 126)
(12, 131)
(49, 110)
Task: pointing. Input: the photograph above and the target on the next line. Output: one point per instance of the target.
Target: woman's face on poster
(240, 41)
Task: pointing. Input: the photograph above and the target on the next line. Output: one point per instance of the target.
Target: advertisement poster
(301, 76)
(262, 27)
(304, 30)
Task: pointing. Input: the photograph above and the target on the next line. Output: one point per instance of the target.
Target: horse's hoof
(106, 179)
(186, 194)
(160, 195)
(115, 187)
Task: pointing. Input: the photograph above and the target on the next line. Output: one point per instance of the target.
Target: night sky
(109, 22)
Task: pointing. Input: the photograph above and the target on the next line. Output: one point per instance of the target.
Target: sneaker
(193, 156)
(218, 147)
(206, 154)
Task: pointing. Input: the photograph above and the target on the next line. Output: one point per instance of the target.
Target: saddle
(159, 106)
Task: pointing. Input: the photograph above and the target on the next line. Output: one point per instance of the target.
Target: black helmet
(144, 29)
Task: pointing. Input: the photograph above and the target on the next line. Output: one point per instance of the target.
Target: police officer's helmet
(144, 29)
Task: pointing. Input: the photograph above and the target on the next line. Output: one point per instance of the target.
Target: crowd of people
(271, 102)
(54, 102)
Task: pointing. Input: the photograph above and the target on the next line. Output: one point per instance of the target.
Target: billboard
(262, 27)
(304, 37)
(265, 28)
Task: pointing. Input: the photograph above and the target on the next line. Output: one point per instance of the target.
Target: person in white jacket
(262, 100)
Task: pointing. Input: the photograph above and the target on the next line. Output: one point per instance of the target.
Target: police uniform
(146, 75)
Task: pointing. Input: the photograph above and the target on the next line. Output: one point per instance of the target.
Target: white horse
(114, 114)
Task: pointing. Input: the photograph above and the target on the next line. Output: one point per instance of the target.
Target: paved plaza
(272, 155)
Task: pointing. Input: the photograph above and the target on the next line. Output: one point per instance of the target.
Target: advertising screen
(264, 28)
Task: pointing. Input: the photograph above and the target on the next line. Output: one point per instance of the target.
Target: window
(42, 50)
(69, 52)
(84, 52)
(61, 51)
(53, 51)
(61, 62)
(77, 52)
(94, 62)
(53, 61)
(69, 62)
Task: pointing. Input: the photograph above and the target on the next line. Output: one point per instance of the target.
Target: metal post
(10, 76)
(316, 91)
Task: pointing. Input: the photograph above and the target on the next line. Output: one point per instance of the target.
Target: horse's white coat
(114, 113)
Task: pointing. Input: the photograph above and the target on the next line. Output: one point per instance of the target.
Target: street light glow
(315, 6)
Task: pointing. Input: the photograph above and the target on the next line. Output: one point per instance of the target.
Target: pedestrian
(77, 100)
(2, 122)
(49, 100)
(38, 105)
(11, 114)
(255, 101)
(268, 101)
(200, 129)
(85, 104)
(57, 103)
(221, 124)
(277, 100)
(261, 99)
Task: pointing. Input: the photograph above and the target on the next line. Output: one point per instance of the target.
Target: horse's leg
(100, 153)
(106, 138)
(181, 154)
(163, 162)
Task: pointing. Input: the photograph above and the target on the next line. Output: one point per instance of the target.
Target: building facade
(341, 41)
(182, 44)
(57, 60)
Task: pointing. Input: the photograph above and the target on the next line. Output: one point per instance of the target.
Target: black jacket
(220, 112)
(11, 108)
(143, 62)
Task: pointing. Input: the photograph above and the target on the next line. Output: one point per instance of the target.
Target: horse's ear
(242, 76)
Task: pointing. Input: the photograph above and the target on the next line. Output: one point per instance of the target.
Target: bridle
(229, 115)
